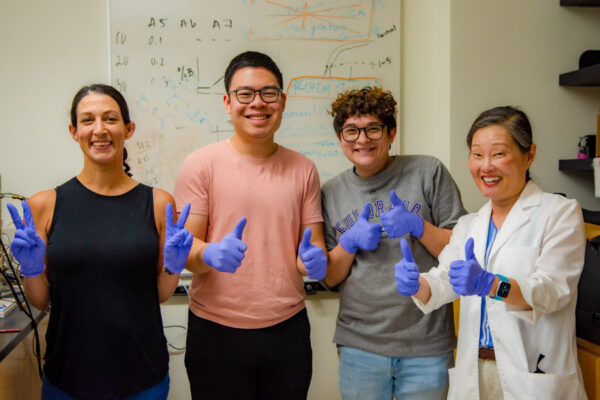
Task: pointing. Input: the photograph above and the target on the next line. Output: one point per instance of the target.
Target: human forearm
(166, 283)
(195, 262)
(338, 268)
(434, 239)
(37, 290)
(515, 296)
(424, 292)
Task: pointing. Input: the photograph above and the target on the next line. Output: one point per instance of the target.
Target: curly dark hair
(368, 100)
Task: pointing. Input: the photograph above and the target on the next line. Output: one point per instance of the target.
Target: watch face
(503, 289)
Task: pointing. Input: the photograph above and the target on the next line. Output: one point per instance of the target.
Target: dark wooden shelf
(587, 76)
(580, 3)
(584, 164)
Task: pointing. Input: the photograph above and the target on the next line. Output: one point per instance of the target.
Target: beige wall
(49, 49)
(425, 84)
(512, 52)
(459, 57)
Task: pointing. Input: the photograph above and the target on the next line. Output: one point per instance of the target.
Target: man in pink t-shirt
(256, 210)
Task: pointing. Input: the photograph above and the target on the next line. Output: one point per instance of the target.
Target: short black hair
(252, 59)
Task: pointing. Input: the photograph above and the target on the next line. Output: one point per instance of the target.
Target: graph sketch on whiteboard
(168, 60)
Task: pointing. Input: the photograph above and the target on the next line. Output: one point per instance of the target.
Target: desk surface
(16, 320)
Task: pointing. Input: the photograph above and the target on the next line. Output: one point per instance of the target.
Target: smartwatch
(503, 288)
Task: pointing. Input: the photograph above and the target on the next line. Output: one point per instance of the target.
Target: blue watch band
(503, 288)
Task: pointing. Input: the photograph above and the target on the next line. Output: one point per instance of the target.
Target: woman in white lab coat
(516, 264)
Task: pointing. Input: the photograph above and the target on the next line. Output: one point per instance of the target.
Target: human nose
(98, 126)
(362, 137)
(257, 99)
(487, 164)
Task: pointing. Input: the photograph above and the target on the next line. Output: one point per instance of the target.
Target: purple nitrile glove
(227, 255)
(407, 272)
(467, 277)
(313, 257)
(178, 240)
(362, 235)
(399, 221)
(28, 248)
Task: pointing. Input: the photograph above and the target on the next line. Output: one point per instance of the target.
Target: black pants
(226, 363)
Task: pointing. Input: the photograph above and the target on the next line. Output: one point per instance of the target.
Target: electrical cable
(169, 342)
(27, 312)
(10, 285)
(13, 196)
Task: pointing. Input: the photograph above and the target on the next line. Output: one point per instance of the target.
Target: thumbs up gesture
(227, 255)
(28, 248)
(406, 272)
(399, 221)
(313, 257)
(467, 277)
(362, 235)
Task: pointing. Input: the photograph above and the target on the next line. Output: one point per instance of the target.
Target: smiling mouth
(364, 150)
(258, 117)
(491, 179)
(101, 144)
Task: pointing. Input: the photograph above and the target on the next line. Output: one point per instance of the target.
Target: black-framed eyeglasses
(350, 133)
(267, 94)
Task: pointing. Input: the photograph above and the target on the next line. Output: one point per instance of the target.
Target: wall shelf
(587, 76)
(577, 165)
(580, 3)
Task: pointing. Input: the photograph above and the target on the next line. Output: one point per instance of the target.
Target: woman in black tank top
(112, 254)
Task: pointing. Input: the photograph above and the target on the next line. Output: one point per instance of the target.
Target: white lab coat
(541, 245)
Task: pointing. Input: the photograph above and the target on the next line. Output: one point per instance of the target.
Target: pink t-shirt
(277, 195)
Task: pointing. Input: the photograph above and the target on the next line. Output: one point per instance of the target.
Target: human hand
(313, 257)
(227, 255)
(399, 221)
(362, 235)
(407, 272)
(467, 277)
(28, 248)
(178, 240)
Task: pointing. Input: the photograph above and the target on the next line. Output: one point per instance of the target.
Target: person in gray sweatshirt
(388, 348)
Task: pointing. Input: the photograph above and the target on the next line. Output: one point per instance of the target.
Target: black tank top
(105, 336)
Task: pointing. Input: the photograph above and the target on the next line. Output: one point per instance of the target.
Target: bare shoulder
(161, 198)
(43, 200)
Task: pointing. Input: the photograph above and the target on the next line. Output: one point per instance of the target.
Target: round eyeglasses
(267, 94)
(351, 133)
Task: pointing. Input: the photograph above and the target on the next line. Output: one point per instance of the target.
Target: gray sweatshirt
(373, 316)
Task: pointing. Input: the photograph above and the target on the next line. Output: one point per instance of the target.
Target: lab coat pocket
(545, 386)
(516, 262)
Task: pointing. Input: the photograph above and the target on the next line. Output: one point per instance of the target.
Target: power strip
(6, 307)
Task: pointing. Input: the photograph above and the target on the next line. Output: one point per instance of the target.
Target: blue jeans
(158, 392)
(365, 375)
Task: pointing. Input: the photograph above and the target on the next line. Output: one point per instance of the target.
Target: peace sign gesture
(28, 248)
(178, 240)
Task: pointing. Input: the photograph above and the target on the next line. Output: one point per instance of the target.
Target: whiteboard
(168, 59)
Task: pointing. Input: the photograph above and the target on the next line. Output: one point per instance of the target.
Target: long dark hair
(116, 96)
(513, 120)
